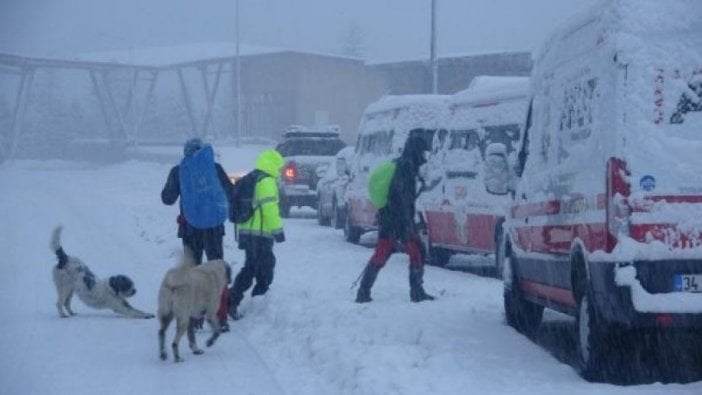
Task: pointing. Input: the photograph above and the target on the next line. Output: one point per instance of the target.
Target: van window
(377, 143)
(310, 146)
(505, 134)
(470, 139)
(440, 140)
(465, 140)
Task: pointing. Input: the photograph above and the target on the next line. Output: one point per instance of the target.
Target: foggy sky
(391, 29)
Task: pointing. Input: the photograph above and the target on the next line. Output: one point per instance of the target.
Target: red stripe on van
(644, 206)
(668, 234)
(536, 209)
(558, 239)
(548, 292)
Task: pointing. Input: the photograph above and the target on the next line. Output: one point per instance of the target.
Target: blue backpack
(202, 197)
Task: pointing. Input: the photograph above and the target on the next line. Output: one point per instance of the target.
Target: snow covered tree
(353, 41)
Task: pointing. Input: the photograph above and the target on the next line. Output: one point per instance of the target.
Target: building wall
(285, 88)
(455, 73)
(294, 88)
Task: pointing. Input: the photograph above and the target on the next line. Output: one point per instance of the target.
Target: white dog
(71, 276)
(190, 291)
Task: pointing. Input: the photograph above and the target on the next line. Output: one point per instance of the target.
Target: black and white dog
(71, 276)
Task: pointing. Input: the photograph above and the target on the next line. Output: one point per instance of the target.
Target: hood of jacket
(414, 151)
(271, 162)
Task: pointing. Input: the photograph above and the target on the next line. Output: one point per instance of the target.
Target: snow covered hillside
(305, 337)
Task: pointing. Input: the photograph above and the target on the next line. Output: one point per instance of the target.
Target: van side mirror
(497, 175)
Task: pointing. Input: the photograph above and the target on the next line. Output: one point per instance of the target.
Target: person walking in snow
(205, 194)
(258, 234)
(396, 223)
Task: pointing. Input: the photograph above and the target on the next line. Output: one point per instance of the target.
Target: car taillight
(618, 209)
(290, 172)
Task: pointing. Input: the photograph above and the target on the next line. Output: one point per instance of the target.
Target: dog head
(122, 285)
(221, 268)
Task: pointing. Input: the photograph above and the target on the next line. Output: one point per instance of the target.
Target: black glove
(279, 237)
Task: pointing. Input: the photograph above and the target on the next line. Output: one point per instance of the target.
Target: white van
(382, 133)
(460, 215)
(606, 222)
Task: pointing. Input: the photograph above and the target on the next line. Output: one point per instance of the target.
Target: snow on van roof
(638, 17)
(392, 102)
(486, 87)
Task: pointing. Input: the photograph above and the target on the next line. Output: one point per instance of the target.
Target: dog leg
(181, 328)
(191, 338)
(63, 299)
(165, 322)
(214, 324)
(126, 309)
(67, 305)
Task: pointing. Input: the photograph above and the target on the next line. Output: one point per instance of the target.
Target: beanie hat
(191, 146)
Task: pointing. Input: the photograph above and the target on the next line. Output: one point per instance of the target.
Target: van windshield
(310, 146)
(471, 139)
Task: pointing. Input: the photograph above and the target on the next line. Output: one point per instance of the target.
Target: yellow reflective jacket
(266, 221)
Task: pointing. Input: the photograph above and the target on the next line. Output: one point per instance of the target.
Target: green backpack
(379, 183)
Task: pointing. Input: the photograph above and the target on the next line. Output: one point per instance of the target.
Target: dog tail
(56, 247)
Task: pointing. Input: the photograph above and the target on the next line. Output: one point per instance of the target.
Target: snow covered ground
(305, 337)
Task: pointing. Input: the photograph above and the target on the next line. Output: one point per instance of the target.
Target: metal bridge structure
(123, 116)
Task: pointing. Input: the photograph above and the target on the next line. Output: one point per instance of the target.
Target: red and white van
(382, 133)
(606, 221)
(460, 215)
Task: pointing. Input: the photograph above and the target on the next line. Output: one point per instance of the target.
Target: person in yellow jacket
(257, 235)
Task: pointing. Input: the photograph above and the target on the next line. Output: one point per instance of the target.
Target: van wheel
(352, 234)
(337, 217)
(321, 219)
(591, 340)
(499, 249)
(434, 256)
(284, 207)
(521, 314)
(438, 256)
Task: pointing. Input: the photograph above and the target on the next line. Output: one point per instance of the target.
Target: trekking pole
(353, 285)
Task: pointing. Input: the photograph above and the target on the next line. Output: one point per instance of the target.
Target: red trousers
(386, 246)
(223, 304)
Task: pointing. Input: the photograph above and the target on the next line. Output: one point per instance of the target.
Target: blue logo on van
(648, 183)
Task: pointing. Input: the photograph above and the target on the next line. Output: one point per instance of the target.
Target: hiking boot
(223, 326)
(370, 273)
(416, 278)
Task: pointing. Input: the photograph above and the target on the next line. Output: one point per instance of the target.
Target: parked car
(606, 223)
(331, 190)
(236, 175)
(308, 152)
(382, 133)
(460, 215)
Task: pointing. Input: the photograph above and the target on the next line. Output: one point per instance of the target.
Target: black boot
(233, 302)
(369, 275)
(417, 293)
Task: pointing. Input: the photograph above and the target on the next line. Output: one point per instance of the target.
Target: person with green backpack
(393, 190)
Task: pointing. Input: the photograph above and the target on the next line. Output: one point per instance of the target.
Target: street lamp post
(238, 80)
(434, 65)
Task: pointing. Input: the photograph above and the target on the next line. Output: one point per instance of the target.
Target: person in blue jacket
(205, 193)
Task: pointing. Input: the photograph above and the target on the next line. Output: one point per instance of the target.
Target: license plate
(688, 282)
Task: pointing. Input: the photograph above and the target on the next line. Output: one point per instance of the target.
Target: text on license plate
(687, 282)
